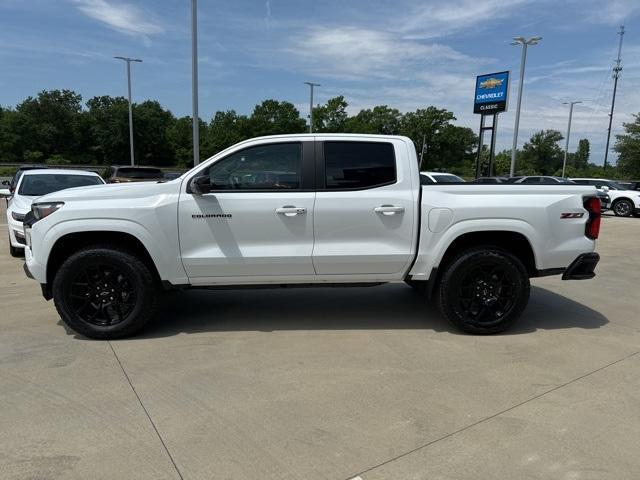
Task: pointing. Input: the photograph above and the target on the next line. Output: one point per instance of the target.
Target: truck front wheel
(105, 293)
(483, 290)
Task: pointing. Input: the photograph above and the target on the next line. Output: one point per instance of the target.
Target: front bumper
(582, 268)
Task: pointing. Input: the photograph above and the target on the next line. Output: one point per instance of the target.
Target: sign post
(491, 98)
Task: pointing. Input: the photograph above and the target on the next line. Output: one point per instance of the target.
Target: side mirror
(4, 192)
(6, 183)
(201, 185)
(605, 189)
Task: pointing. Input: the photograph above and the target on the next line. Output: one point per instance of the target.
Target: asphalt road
(329, 384)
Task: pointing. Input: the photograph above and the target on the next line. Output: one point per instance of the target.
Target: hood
(112, 191)
(21, 204)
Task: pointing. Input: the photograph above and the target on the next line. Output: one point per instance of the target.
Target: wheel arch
(69, 243)
(515, 243)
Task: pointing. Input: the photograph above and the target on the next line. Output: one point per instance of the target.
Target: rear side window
(358, 165)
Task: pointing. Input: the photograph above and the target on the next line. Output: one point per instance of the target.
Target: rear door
(364, 218)
(257, 220)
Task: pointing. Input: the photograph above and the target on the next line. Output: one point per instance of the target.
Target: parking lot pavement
(329, 384)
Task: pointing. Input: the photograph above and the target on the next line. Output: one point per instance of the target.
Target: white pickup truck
(300, 210)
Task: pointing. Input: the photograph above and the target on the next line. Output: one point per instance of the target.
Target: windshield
(139, 173)
(447, 179)
(38, 185)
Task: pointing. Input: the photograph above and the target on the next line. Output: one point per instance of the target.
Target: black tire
(483, 290)
(121, 293)
(16, 252)
(622, 207)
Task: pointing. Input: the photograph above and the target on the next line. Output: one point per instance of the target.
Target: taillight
(592, 229)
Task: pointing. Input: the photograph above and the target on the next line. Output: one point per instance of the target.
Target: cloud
(123, 17)
(613, 12)
(443, 18)
(361, 53)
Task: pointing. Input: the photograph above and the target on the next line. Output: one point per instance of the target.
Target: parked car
(624, 203)
(492, 180)
(322, 209)
(542, 180)
(36, 183)
(132, 174)
(172, 175)
(439, 177)
(630, 185)
(11, 184)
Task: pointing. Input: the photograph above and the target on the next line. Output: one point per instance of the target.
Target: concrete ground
(329, 384)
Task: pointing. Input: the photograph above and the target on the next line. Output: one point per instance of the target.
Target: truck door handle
(388, 209)
(291, 211)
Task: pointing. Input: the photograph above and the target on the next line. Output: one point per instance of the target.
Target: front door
(258, 218)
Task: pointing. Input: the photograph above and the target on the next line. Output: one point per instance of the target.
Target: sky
(406, 54)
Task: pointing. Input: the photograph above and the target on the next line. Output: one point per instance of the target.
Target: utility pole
(311, 85)
(523, 61)
(194, 82)
(129, 60)
(616, 74)
(566, 146)
(424, 144)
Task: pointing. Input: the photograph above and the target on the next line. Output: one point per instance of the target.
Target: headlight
(18, 217)
(42, 210)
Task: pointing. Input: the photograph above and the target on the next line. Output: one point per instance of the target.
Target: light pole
(311, 85)
(523, 61)
(194, 82)
(129, 60)
(566, 146)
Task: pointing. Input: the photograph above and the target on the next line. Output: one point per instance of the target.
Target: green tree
(628, 148)
(151, 124)
(226, 129)
(108, 120)
(381, 120)
(581, 156)
(272, 117)
(52, 123)
(541, 153)
(331, 117)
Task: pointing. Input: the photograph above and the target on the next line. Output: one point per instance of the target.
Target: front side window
(358, 165)
(38, 185)
(264, 167)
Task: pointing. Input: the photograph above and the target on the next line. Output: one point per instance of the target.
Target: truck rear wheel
(484, 290)
(105, 293)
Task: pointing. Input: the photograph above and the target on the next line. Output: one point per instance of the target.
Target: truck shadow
(394, 306)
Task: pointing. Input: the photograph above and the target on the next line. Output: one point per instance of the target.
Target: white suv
(624, 203)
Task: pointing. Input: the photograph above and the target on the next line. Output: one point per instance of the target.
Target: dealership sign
(492, 93)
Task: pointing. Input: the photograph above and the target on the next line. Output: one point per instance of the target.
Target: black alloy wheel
(484, 290)
(105, 292)
(102, 295)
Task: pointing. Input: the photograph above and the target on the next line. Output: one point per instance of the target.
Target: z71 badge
(572, 215)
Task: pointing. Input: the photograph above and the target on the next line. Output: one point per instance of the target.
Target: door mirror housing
(6, 183)
(4, 192)
(201, 185)
(605, 189)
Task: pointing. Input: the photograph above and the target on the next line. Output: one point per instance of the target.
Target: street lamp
(194, 82)
(566, 147)
(525, 44)
(311, 85)
(129, 60)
